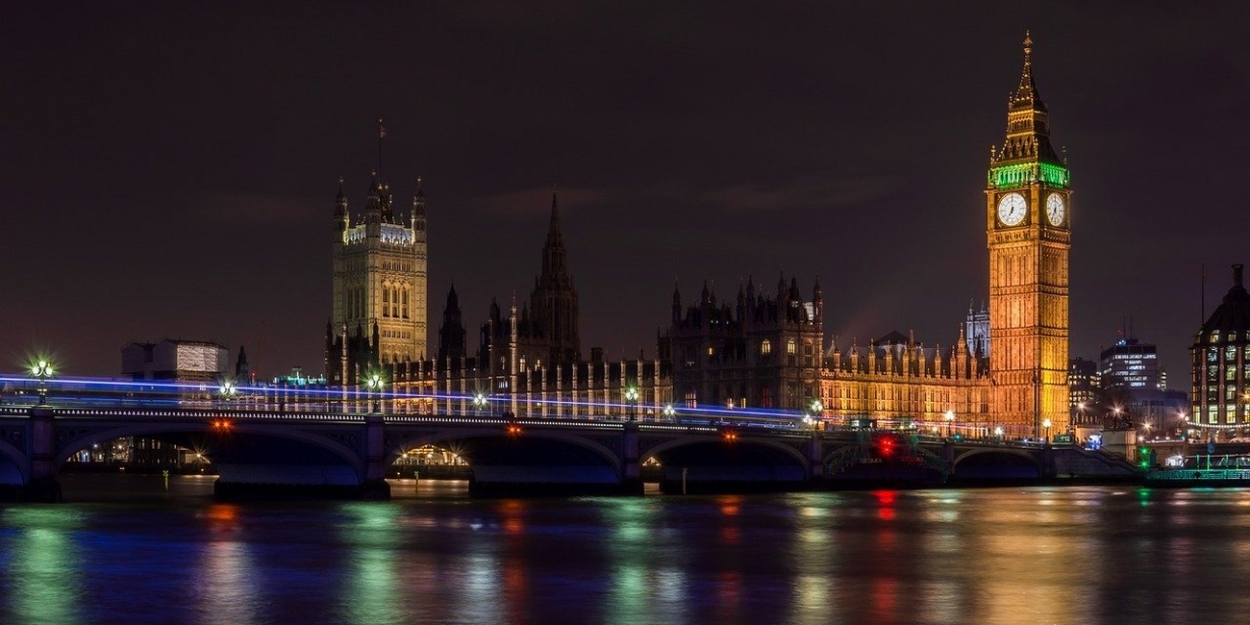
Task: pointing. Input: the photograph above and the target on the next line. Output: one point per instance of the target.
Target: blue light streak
(244, 393)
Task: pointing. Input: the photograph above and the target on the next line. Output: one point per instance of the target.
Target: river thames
(124, 551)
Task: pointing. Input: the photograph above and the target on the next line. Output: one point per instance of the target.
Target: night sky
(170, 168)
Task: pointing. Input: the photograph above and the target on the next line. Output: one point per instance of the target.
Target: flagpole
(381, 134)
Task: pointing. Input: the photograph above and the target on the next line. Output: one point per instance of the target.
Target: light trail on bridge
(92, 389)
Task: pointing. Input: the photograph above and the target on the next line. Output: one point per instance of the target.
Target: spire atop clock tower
(1028, 123)
(1026, 154)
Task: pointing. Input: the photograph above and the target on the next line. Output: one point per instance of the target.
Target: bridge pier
(375, 486)
(1048, 461)
(631, 469)
(815, 455)
(42, 485)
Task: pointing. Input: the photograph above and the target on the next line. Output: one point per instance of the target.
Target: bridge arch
(997, 463)
(180, 432)
(709, 463)
(14, 465)
(837, 451)
(670, 445)
(447, 438)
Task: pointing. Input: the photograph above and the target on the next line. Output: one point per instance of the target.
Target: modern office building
(1131, 365)
(1084, 384)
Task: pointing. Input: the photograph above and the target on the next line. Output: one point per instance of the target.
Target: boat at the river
(1186, 478)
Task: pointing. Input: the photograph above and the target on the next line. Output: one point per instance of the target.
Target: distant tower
(978, 331)
(1027, 218)
(379, 288)
(242, 372)
(553, 304)
(451, 336)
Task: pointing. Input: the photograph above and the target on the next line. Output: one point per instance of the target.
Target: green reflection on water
(638, 566)
(372, 536)
(44, 575)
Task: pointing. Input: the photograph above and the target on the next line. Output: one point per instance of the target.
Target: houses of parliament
(763, 351)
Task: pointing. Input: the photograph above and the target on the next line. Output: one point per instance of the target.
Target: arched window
(395, 301)
(791, 347)
(766, 347)
(386, 301)
(405, 302)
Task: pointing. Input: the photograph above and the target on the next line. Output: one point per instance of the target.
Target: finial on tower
(1028, 45)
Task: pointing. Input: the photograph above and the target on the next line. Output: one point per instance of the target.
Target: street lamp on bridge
(631, 397)
(1046, 424)
(950, 421)
(479, 403)
(227, 390)
(42, 370)
(375, 383)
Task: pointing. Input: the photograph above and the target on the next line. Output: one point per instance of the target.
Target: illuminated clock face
(1011, 209)
(1055, 209)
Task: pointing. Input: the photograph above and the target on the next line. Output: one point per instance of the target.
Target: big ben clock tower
(1027, 222)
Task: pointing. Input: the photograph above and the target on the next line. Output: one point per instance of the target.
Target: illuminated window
(386, 302)
(792, 347)
(766, 347)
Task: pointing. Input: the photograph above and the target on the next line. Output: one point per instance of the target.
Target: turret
(676, 305)
(818, 304)
(342, 219)
(418, 209)
(373, 205)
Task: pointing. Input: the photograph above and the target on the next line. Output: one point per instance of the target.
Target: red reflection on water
(513, 512)
(729, 596)
(222, 517)
(516, 586)
(885, 598)
(886, 500)
(730, 507)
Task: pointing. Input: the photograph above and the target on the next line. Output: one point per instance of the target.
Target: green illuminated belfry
(1026, 154)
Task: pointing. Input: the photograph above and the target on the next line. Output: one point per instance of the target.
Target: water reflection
(227, 585)
(994, 556)
(41, 580)
(370, 593)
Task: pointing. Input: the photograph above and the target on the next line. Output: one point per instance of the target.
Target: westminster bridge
(350, 453)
